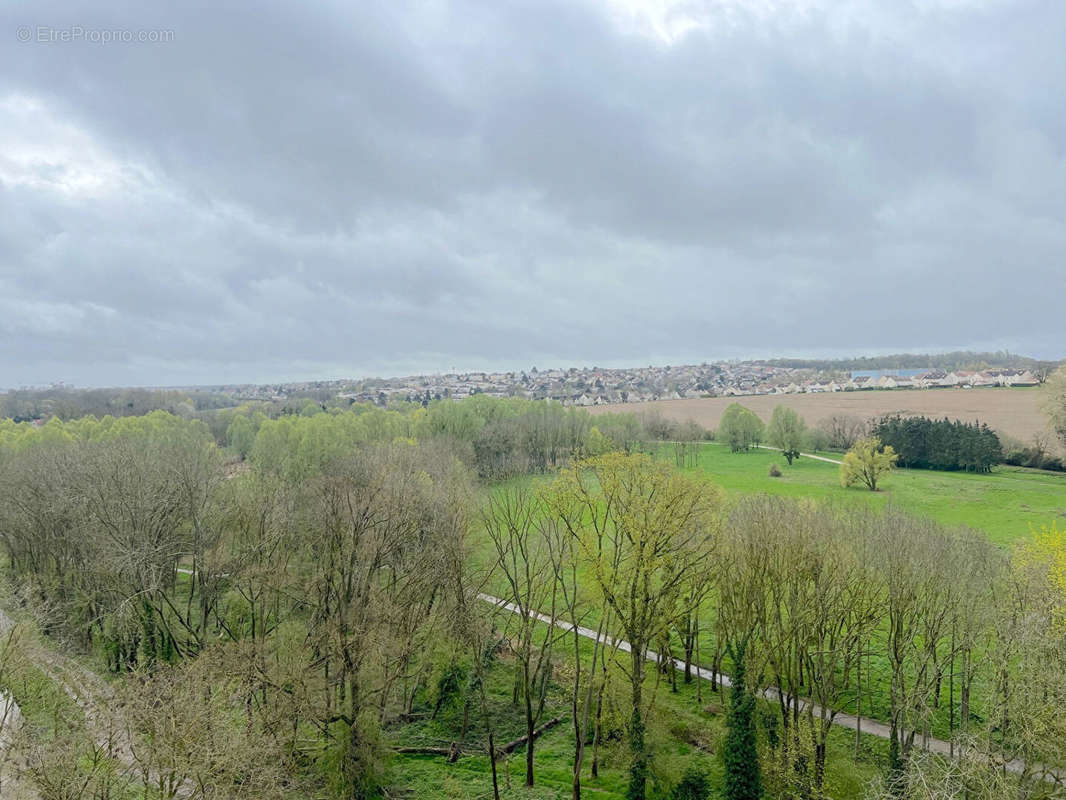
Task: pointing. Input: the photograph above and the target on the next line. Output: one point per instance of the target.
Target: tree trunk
(598, 732)
(530, 725)
(638, 768)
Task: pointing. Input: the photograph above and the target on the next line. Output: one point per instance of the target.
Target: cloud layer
(379, 188)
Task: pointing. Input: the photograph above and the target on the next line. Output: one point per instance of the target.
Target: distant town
(599, 386)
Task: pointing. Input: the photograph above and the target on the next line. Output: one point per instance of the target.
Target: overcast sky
(275, 192)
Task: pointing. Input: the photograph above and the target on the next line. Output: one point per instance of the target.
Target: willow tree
(787, 432)
(643, 530)
(866, 462)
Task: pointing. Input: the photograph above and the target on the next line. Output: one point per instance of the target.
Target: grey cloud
(285, 192)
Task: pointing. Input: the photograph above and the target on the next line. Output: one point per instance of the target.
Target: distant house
(934, 378)
(1012, 377)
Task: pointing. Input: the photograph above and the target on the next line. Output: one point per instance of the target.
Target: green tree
(787, 432)
(241, 435)
(866, 462)
(643, 530)
(743, 780)
(741, 427)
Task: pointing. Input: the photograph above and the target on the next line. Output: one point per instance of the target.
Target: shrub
(694, 785)
(1035, 455)
(775, 472)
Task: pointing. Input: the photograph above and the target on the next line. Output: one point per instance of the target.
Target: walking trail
(862, 724)
(96, 699)
(11, 784)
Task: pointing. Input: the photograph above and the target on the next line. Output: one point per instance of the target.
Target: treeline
(957, 359)
(498, 437)
(942, 444)
(27, 405)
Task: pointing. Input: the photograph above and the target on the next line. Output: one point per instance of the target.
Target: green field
(1005, 504)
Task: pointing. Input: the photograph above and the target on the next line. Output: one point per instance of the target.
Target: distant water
(877, 373)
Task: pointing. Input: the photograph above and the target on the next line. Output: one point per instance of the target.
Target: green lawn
(1005, 504)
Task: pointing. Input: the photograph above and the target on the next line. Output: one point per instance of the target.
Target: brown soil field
(1015, 412)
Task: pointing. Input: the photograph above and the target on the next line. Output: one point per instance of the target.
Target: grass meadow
(1005, 504)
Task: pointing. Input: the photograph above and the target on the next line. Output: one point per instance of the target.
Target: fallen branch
(510, 747)
(452, 753)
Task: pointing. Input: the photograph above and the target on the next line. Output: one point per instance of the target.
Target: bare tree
(842, 430)
(530, 562)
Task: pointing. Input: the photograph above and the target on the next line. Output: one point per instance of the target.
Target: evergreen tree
(940, 444)
(740, 752)
(694, 785)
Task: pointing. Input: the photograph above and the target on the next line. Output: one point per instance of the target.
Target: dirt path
(96, 699)
(12, 785)
(863, 724)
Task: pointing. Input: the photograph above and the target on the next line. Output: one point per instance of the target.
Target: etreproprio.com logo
(47, 34)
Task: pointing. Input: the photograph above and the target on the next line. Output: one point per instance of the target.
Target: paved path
(864, 724)
(804, 455)
(764, 447)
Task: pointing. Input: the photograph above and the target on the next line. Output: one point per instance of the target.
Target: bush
(694, 785)
(775, 472)
(1033, 457)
